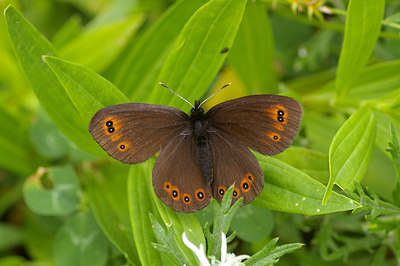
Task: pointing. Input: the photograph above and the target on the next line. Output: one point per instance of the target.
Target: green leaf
(16, 151)
(269, 255)
(252, 223)
(138, 71)
(88, 91)
(29, 46)
(394, 150)
(10, 236)
(351, 150)
(167, 244)
(109, 200)
(52, 192)
(97, 48)
(311, 162)
(223, 215)
(80, 242)
(363, 24)
(372, 204)
(48, 139)
(252, 53)
(376, 81)
(140, 205)
(196, 57)
(287, 189)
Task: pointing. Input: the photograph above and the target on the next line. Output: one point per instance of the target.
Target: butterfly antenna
(162, 84)
(226, 85)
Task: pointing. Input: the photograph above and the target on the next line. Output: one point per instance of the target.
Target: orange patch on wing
(115, 136)
(279, 126)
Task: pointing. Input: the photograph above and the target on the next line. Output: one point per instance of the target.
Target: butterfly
(204, 153)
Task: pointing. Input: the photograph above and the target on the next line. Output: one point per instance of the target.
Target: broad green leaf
(252, 53)
(313, 163)
(30, 46)
(88, 91)
(10, 236)
(196, 57)
(138, 72)
(287, 189)
(320, 130)
(140, 205)
(351, 150)
(252, 223)
(58, 196)
(97, 48)
(47, 138)
(377, 80)
(16, 153)
(363, 24)
(109, 199)
(80, 242)
(69, 31)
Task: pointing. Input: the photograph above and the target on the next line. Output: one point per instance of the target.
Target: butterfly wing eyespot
(236, 193)
(221, 191)
(245, 186)
(168, 187)
(186, 198)
(175, 193)
(200, 194)
(249, 178)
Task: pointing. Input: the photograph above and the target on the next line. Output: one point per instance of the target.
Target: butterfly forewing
(177, 178)
(133, 132)
(265, 123)
(234, 164)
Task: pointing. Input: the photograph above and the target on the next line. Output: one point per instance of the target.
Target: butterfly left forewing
(234, 164)
(265, 123)
(177, 178)
(133, 132)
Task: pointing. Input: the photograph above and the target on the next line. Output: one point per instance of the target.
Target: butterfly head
(197, 111)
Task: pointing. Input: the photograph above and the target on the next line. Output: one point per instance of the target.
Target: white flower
(227, 259)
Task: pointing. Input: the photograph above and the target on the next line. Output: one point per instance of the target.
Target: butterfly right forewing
(265, 123)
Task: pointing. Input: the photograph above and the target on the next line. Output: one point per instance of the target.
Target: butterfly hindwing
(133, 132)
(177, 177)
(234, 164)
(265, 123)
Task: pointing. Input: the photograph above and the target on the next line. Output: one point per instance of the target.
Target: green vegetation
(332, 198)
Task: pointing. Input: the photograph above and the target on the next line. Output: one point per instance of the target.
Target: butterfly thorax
(199, 125)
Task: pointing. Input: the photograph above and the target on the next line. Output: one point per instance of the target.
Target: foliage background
(63, 201)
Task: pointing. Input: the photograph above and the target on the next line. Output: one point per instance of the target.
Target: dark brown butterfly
(202, 154)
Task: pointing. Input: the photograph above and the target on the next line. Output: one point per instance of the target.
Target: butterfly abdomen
(205, 159)
(199, 130)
